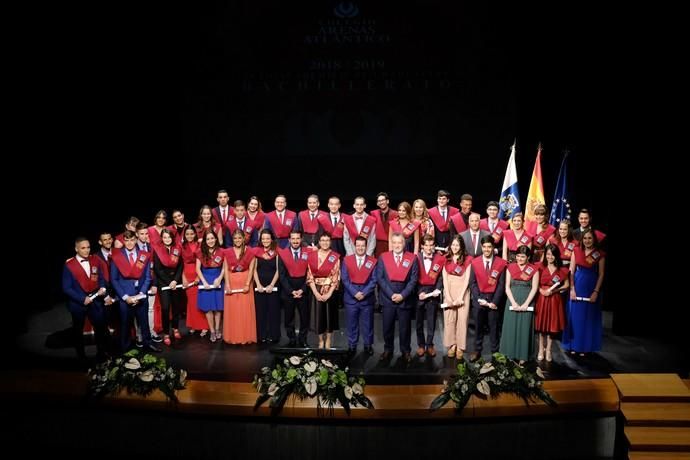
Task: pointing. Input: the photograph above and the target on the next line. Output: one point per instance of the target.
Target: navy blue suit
(356, 309)
(402, 310)
(486, 316)
(129, 287)
(95, 312)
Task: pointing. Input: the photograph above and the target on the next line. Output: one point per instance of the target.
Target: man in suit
(429, 288)
(223, 211)
(130, 273)
(84, 285)
(104, 254)
(281, 221)
(359, 224)
(144, 244)
(441, 217)
(292, 268)
(584, 218)
(487, 284)
(473, 235)
(397, 275)
(308, 222)
(358, 275)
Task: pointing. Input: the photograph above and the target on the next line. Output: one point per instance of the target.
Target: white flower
(272, 389)
(146, 376)
(183, 376)
(540, 373)
(295, 360)
(484, 388)
(310, 386)
(310, 366)
(327, 363)
(488, 367)
(357, 389)
(133, 364)
(348, 392)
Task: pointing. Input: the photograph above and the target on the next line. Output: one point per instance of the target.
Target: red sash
(458, 223)
(542, 237)
(130, 271)
(437, 263)
(215, 261)
(281, 230)
(397, 273)
(189, 251)
(326, 266)
(525, 274)
(547, 279)
(120, 237)
(456, 269)
(600, 235)
(168, 260)
(154, 234)
(256, 224)
(219, 218)
(513, 241)
(367, 226)
(381, 226)
(408, 230)
(105, 268)
(308, 225)
(295, 269)
(497, 234)
(241, 265)
(87, 283)
(261, 253)
(435, 215)
(588, 260)
(359, 275)
(487, 281)
(200, 229)
(179, 234)
(326, 221)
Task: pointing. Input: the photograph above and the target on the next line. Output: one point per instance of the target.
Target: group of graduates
(236, 268)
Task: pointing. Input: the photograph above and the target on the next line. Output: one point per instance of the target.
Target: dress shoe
(386, 355)
(139, 343)
(431, 351)
(407, 357)
(156, 338)
(420, 351)
(153, 348)
(369, 350)
(474, 355)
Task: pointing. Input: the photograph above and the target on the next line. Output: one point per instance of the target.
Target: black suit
(287, 285)
(485, 315)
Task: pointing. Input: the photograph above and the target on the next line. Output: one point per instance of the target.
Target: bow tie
(359, 218)
(428, 257)
(84, 261)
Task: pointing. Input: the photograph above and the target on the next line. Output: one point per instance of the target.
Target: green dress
(517, 335)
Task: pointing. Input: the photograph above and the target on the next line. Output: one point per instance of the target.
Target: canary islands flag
(510, 197)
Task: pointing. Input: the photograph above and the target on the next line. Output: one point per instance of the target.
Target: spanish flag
(535, 196)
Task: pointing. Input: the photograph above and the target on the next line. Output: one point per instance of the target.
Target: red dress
(550, 315)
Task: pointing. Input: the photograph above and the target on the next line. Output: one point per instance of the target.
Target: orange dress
(239, 320)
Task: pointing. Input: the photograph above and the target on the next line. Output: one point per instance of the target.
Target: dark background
(158, 106)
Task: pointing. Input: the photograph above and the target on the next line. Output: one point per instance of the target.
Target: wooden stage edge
(404, 402)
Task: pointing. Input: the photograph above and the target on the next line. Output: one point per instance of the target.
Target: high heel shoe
(451, 352)
(176, 334)
(540, 355)
(166, 340)
(548, 356)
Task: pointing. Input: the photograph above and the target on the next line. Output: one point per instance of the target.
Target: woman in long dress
(522, 283)
(456, 296)
(239, 326)
(323, 276)
(549, 319)
(583, 330)
(195, 317)
(266, 295)
(210, 268)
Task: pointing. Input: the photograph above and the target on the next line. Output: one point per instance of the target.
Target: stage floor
(43, 346)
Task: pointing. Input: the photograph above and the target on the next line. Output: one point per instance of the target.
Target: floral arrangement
(490, 379)
(138, 375)
(306, 376)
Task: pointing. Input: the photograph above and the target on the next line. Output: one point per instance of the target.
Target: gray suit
(467, 238)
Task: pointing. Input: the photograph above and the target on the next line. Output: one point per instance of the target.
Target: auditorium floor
(43, 346)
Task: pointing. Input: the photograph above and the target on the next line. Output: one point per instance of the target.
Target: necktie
(280, 216)
(312, 216)
(359, 262)
(443, 214)
(335, 221)
(492, 225)
(397, 260)
(224, 219)
(131, 258)
(296, 256)
(241, 224)
(488, 267)
(474, 241)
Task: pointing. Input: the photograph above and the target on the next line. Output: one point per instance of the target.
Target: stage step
(656, 414)
(651, 388)
(663, 439)
(659, 456)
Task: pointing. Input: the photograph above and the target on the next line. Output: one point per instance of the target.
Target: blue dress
(583, 329)
(211, 299)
